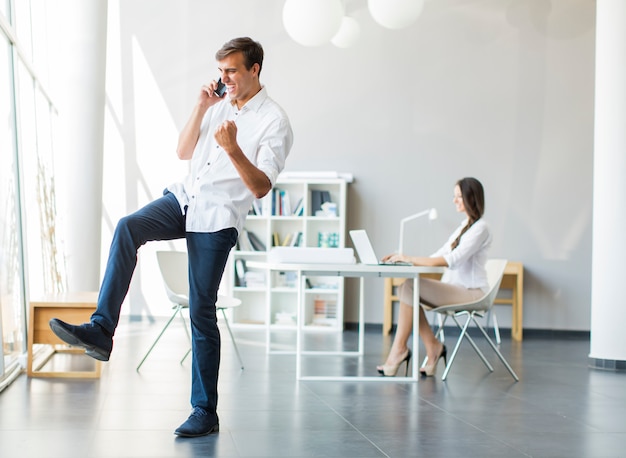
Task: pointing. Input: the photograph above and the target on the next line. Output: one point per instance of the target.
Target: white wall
(500, 90)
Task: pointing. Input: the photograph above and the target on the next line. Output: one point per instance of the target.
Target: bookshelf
(299, 212)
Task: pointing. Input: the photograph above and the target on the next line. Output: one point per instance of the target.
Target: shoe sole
(71, 339)
(213, 429)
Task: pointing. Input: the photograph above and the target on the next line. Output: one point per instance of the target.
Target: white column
(81, 115)
(608, 338)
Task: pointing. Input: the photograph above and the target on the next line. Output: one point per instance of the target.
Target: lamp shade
(348, 33)
(395, 14)
(312, 22)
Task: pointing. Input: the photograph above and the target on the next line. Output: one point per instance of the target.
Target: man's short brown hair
(252, 51)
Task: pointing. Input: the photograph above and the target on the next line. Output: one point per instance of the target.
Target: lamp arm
(403, 221)
(415, 216)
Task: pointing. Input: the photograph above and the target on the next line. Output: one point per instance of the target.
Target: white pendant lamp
(348, 33)
(395, 14)
(312, 22)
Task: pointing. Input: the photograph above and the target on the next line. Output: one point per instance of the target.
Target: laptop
(364, 249)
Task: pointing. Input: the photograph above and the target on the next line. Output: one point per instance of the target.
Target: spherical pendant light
(312, 22)
(395, 14)
(348, 33)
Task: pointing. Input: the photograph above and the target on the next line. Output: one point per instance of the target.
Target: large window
(12, 302)
(27, 197)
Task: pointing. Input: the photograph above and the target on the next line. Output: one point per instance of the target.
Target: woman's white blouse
(466, 264)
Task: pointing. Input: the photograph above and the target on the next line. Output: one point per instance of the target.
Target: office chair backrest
(173, 266)
(495, 270)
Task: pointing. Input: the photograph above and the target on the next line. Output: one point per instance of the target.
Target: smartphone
(221, 88)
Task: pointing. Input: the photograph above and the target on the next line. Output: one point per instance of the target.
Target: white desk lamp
(432, 214)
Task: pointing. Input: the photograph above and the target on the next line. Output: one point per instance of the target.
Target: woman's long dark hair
(474, 202)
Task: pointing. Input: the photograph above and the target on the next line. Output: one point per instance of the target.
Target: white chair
(495, 271)
(174, 270)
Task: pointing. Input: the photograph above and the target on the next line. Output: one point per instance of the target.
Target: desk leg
(268, 317)
(518, 307)
(299, 323)
(416, 323)
(361, 316)
(388, 307)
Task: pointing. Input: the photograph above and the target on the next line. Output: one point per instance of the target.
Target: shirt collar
(255, 102)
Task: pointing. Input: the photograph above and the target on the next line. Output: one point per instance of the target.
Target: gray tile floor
(560, 408)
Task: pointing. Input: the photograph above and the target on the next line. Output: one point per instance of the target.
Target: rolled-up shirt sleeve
(213, 195)
(274, 149)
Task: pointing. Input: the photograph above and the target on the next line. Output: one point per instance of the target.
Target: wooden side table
(512, 279)
(74, 308)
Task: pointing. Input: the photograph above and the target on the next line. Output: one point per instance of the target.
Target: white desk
(360, 271)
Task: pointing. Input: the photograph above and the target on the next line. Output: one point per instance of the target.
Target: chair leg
(185, 357)
(491, 317)
(456, 347)
(465, 335)
(232, 338)
(495, 348)
(177, 309)
(471, 341)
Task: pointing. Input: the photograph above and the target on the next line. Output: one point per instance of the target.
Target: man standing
(237, 145)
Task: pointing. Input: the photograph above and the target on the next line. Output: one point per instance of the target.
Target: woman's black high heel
(390, 371)
(430, 369)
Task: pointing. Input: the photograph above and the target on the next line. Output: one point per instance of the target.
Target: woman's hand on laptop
(395, 257)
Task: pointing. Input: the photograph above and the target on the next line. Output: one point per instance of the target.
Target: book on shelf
(299, 210)
(324, 312)
(287, 240)
(285, 203)
(257, 207)
(275, 202)
(249, 241)
(318, 197)
(281, 204)
(297, 239)
(256, 242)
(248, 278)
(240, 272)
(292, 239)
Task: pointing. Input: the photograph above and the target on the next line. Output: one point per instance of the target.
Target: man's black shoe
(91, 336)
(199, 423)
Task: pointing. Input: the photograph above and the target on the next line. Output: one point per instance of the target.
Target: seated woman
(465, 279)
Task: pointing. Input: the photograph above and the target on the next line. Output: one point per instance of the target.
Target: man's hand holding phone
(220, 90)
(211, 93)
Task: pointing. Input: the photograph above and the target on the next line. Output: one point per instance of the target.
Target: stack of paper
(311, 255)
